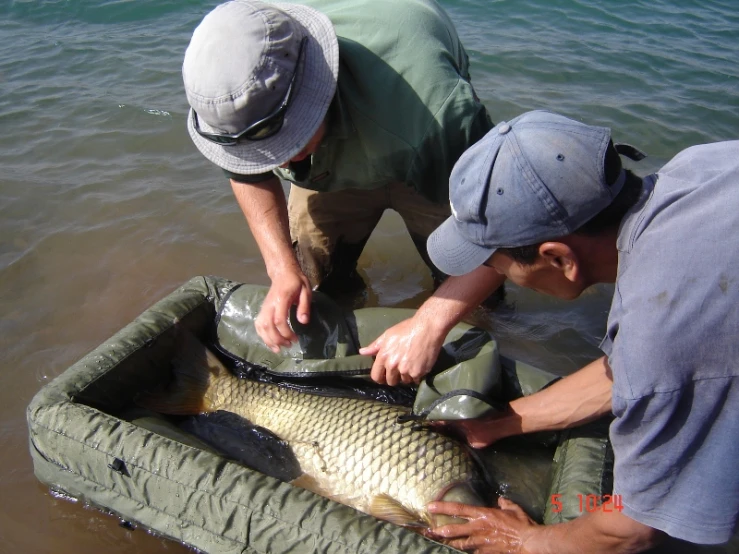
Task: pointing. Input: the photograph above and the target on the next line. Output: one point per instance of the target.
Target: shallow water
(106, 206)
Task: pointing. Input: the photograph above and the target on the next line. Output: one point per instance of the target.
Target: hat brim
(316, 86)
(454, 254)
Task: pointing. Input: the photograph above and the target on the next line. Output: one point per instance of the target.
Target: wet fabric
(672, 344)
(89, 441)
(81, 445)
(464, 382)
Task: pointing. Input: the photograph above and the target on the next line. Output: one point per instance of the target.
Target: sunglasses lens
(267, 128)
(224, 141)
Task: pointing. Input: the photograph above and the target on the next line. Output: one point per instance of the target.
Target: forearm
(265, 209)
(599, 532)
(455, 298)
(578, 398)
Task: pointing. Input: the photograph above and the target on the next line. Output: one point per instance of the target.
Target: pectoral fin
(389, 509)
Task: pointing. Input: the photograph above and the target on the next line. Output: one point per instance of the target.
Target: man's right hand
(288, 289)
(404, 353)
(265, 208)
(481, 432)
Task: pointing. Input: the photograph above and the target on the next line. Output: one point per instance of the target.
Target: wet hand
(478, 433)
(403, 353)
(291, 288)
(503, 530)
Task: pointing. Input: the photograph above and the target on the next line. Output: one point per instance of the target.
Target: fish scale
(351, 450)
(354, 449)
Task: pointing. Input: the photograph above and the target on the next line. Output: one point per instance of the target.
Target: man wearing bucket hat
(544, 200)
(361, 105)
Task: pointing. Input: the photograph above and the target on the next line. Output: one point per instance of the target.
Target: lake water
(106, 206)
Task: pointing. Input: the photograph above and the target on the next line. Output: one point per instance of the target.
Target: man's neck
(598, 256)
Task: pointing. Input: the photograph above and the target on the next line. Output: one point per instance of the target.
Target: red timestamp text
(590, 503)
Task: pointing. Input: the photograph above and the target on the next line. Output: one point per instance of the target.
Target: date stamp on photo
(590, 503)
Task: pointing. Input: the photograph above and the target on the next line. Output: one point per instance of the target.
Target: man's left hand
(501, 530)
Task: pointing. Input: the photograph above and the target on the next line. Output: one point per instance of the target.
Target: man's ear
(561, 257)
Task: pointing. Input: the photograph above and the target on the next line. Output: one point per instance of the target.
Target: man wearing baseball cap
(544, 200)
(361, 105)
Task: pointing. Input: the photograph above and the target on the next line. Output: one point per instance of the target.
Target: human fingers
(378, 371)
(267, 331)
(455, 509)
(510, 506)
(378, 365)
(408, 379)
(303, 311)
(272, 323)
(450, 531)
(384, 369)
(392, 375)
(485, 534)
(371, 349)
(281, 320)
(478, 433)
(482, 544)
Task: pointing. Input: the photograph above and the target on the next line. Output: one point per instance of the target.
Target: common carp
(353, 451)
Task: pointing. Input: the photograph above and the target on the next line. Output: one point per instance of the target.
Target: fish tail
(196, 371)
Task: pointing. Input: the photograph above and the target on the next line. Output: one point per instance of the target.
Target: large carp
(353, 451)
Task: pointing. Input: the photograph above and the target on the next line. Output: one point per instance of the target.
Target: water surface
(106, 206)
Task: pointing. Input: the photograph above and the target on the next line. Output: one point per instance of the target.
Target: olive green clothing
(329, 230)
(404, 110)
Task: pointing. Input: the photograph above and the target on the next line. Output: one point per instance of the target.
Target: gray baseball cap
(239, 67)
(537, 177)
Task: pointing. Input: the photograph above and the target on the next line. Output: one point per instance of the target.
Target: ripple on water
(106, 206)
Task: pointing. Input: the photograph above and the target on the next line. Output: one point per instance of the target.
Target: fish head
(464, 493)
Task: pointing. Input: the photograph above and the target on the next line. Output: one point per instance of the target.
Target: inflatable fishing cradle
(91, 439)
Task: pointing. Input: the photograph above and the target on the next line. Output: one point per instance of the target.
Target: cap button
(504, 128)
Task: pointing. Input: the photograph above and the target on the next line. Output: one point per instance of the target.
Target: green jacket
(404, 110)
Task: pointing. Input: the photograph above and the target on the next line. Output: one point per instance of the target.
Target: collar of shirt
(632, 223)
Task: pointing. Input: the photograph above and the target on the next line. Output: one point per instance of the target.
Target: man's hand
(509, 530)
(272, 325)
(404, 353)
(407, 351)
(483, 431)
(487, 530)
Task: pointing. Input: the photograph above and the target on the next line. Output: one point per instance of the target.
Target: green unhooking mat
(89, 441)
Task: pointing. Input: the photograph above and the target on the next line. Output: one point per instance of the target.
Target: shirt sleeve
(458, 124)
(249, 179)
(676, 458)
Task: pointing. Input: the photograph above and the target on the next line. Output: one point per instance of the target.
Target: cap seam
(538, 186)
